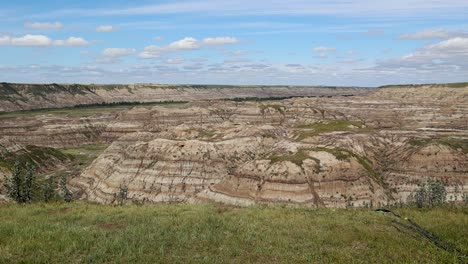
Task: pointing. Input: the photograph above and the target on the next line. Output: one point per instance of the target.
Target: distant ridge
(14, 96)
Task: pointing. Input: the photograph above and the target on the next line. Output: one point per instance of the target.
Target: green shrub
(429, 194)
(21, 184)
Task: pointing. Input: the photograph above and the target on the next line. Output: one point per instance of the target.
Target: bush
(429, 194)
(21, 184)
(48, 190)
(66, 194)
(122, 195)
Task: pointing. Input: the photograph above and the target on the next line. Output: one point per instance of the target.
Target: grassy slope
(76, 233)
(84, 110)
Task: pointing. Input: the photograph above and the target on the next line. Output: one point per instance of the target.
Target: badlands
(240, 145)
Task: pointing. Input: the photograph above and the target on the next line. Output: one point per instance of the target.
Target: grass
(450, 85)
(296, 158)
(310, 130)
(452, 142)
(168, 233)
(84, 155)
(277, 107)
(455, 143)
(40, 156)
(85, 110)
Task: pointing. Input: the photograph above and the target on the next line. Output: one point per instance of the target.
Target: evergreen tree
(29, 183)
(122, 195)
(66, 194)
(48, 190)
(14, 183)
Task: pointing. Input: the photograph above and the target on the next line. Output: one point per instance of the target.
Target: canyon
(310, 146)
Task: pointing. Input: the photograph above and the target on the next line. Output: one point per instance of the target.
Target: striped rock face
(325, 150)
(239, 171)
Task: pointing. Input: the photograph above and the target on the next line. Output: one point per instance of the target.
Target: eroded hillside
(329, 151)
(15, 97)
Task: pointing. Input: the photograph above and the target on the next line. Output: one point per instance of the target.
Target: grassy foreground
(88, 233)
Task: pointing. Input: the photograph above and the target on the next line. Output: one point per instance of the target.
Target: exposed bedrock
(252, 170)
(15, 97)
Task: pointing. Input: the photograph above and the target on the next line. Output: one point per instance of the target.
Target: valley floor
(210, 233)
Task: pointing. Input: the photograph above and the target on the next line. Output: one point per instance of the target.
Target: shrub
(20, 185)
(122, 195)
(66, 194)
(48, 190)
(429, 194)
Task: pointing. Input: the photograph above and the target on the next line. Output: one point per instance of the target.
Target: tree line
(23, 186)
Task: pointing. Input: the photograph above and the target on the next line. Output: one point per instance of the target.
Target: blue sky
(305, 42)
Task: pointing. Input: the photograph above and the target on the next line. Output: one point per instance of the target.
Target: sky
(294, 42)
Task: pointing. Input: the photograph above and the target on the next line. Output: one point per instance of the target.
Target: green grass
(450, 85)
(86, 110)
(296, 158)
(84, 155)
(87, 233)
(277, 107)
(452, 142)
(455, 143)
(310, 130)
(40, 156)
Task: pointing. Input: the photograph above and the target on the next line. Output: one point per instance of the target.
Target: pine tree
(48, 190)
(14, 183)
(66, 194)
(122, 195)
(29, 183)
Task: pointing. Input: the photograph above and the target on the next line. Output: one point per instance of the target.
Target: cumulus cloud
(26, 40)
(117, 52)
(187, 43)
(220, 40)
(43, 25)
(71, 41)
(324, 49)
(451, 54)
(106, 28)
(321, 56)
(174, 61)
(40, 41)
(113, 55)
(433, 34)
(236, 60)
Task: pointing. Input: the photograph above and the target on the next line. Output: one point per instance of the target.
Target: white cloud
(158, 38)
(220, 40)
(187, 43)
(321, 56)
(175, 61)
(324, 49)
(40, 41)
(236, 60)
(117, 52)
(456, 45)
(112, 55)
(43, 26)
(433, 34)
(451, 54)
(106, 28)
(71, 41)
(26, 40)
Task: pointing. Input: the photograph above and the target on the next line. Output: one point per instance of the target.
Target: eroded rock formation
(319, 151)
